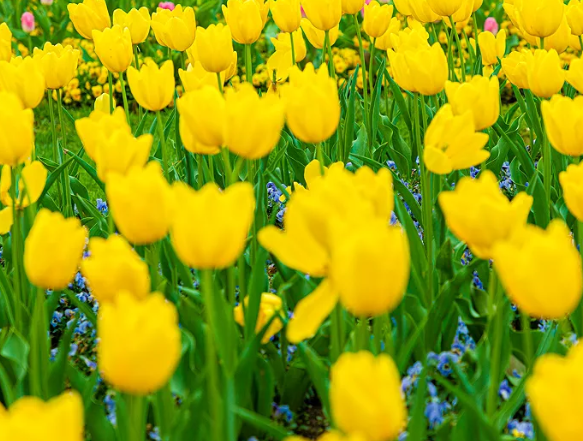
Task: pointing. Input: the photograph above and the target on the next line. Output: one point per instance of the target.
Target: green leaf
(318, 373)
(263, 424)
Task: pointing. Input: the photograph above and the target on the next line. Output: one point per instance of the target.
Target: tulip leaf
(318, 373)
(349, 119)
(15, 350)
(400, 100)
(88, 168)
(52, 178)
(263, 424)
(58, 369)
(540, 207)
(417, 425)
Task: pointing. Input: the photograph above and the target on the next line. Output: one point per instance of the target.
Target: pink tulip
(166, 5)
(491, 25)
(27, 21)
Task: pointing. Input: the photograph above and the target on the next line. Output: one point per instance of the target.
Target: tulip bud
(89, 16)
(271, 305)
(563, 117)
(113, 266)
(492, 47)
(377, 19)
(152, 86)
(141, 203)
(516, 66)
(546, 76)
(540, 18)
(572, 185)
(317, 37)
(23, 77)
(445, 8)
(214, 47)
(491, 25)
(137, 21)
(210, 230)
(27, 22)
(58, 64)
(246, 19)
(17, 134)
(53, 250)
(121, 152)
(175, 28)
(480, 96)
(151, 325)
(114, 48)
(351, 7)
(102, 104)
(287, 14)
(98, 128)
(5, 42)
(33, 178)
(323, 14)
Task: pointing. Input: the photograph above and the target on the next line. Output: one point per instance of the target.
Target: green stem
(137, 62)
(542, 43)
(527, 339)
(251, 166)
(320, 158)
(495, 345)
(547, 171)
(16, 255)
(165, 165)
(459, 49)
(220, 82)
(39, 352)
(337, 333)
(362, 63)
(55, 144)
(580, 243)
(362, 335)
(293, 48)
(153, 262)
(328, 46)
(581, 43)
(227, 170)
(65, 174)
(200, 168)
(110, 81)
(136, 410)
(450, 62)
(248, 64)
(125, 98)
(370, 69)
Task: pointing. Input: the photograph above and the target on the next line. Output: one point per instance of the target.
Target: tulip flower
(89, 16)
(445, 8)
(114, 48)
(166, 5)
(17, 135)
(6, 220)
(281, 60)
(572, 185)
(210, 230)
(377, 19)
(287, 14)
(246, 18)
(53, 250)
(141, 203)
(422, 12)
(351, 7)
(214, 47)
(553, 391)
(540, 18)
(317, 37)
(30, 418)
(135, 334)
(113, 266)
(271, 305)
(452, 143)
(23, 77)
(410, 39)
(563, 117)
(492, 47)
(366, 397)
(480, 96)
(121, 152)
(323, 14)
(137, 21)
(152, 86)
(58, 64)
(384, 42)
(5, 42)
(404, 7)
(546, 76)
(196, 77)
(175, 28)
(27, 22)
(516, 66)
(99, 127)
(33, 178)
(491, 25)
(574, 75)
(102, 104)
(574, 14)
(541, 270)
(480, 215)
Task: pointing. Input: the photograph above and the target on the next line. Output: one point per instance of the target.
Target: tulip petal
(5, 220)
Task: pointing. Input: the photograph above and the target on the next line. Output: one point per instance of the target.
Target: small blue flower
(101, 206)
(505, 390)
(434, 412)
(521, 429)
(57, 317)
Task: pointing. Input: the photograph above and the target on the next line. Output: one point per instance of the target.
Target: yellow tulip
(6, 220)
(413, 38)
(384, 42)
(5, 42)
(480, 215)
(102, 104)
(422, 12)
(351, 7)
(516, 66)
(546, 76)
(114, 48)
(202, 120)
(365, 396)
(451, 142)
(404, 7)
(445, 8)
(141, 203)
(24, 78)
(477, 5)
(152, 86)
(492, 47)
(377, 19)
(253, 125)
(246, 19)
(323, 14)
(137, 21)
(30, 418)
(175, 29)
(422, 70)
(574, 13)
(195, 78)
(540, 18)
(554, 392)
(136, 333)
(58, 64)
(89, 16)
(574, 75)
(287, 14)
(17, 134)
(315, 36)
(210, 229)
(214, 47)
(271, 305)
(53, 250)
(99, 127)
(312, 104)
(480, 96)
(121, 152)
(33, 178)
(563, 117)
(280, 62)
(572, 185)
(113, 266)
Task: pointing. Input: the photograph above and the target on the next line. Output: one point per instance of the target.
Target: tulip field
(259, 220)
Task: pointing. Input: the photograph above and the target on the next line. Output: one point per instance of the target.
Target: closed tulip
(546, 76)
(287, 14)
(316, 37)
(99, 127)
(312, 104)
(452, 143)
(89, 16)
(271, 305)
(17, 134)
(202, 120)
(351, 7)
(404, 7)
(423, 70)
(563, 117)
(23, 77)
(5, 42)
(445, 8)
(572, 185)
(541, 270)
(102, 104)
(210, 230)
(121, 152)
(152, 86)
(365, 396)
(6, 220)
(253, 125)
(540, 18)
(574, 75)
(16, 422)
(516, 66)
(282, 45)
(214, 47)
(323, 14)
(113, 266)
(574, 13)
(377, 19)
(246, 19)
(114, 48)
(139, 343)
(480, 215)
(53, 250)
(384, 42)
(137, 21)
(196, 77)
(58, 64)
(141, 204)
(175, 29)
(554, 392)
(422, 12)
(480, 96)
(33, 178)
(492, 47)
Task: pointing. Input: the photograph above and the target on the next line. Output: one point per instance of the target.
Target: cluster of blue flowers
(274, 201)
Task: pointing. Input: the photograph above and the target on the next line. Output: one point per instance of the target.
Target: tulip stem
(110, 90)
(362, 63)
(580, 243)
(125, 98)
(65, 175)
(153, 262)
(200, 168)
(220, 82)
(293, 48)
(548, 172)
(450, 63)
(227, 170)
(54, 137)
(459, 49)
(136, 410)
(527, 339)
(495, 338)
(542, 43)
(475, 25)
(16, 254)
(137, 61)
(248, 64)
(581, 43)
(328, 45)
(370, 69)
(163, 145)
